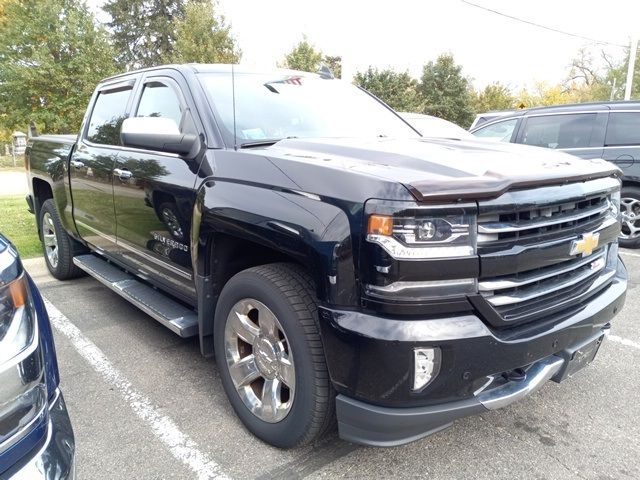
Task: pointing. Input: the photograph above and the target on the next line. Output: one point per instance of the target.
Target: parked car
(434, 127)
(588, 130)
(36, 438)
(482, 118)
(333, 261)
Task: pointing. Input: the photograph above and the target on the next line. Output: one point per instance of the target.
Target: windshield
(273, 107)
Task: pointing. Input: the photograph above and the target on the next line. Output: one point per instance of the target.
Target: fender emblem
(585, 245)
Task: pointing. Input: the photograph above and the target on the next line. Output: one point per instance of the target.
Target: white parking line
(179, 444)
(628, 253)
(624, 341)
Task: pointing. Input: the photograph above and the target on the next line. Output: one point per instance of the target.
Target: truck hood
(441, 169)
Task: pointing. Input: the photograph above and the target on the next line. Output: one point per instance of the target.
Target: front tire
(270, 356)
(630, 210)
(57, 245)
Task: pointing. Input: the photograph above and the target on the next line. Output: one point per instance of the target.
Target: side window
(160, 100)
(559, 131)
(499, 131)
(623, 129)
(107, 116)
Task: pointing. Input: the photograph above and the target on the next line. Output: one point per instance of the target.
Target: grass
(6, 162)
(19, 226)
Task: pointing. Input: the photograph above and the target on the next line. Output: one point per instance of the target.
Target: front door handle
(123, 174)
(77, 164)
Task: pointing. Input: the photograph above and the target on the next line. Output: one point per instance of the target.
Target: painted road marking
(179, 444)
(628, 253)
(624, 341)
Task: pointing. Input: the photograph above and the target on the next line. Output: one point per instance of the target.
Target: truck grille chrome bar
(531, 248)
(549, 216)
(539, 283)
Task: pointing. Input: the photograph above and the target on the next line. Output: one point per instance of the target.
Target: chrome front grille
(543, 220)
(530, 267)
(519, 288)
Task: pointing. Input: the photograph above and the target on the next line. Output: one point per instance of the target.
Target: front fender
(299, 226)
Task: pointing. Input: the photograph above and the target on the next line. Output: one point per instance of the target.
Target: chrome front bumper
(54, 458)
(367, 424)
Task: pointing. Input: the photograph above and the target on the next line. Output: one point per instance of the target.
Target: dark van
(589, 130)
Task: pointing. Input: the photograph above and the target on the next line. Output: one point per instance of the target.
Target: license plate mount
(578, 357)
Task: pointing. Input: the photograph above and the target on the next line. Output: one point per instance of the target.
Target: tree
(398, 90)
(335, 65)
(303, 57)
(445, 91)
(143, 31)
(592, 79)
(203, 37)
(51, 57)
(494, 97)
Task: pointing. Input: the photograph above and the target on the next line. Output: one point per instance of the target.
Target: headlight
(414, 232)
(23, 391)
(16, 323)
(615, 204)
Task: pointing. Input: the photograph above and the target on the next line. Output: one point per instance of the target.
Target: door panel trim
(134, 249)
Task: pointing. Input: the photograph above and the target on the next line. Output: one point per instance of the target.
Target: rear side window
(499, 131)
(559, 131)
(107, 116)
(623, 129)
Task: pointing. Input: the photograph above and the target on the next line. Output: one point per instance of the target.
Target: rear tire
(57, 245)
(266, 323)
(630, 210)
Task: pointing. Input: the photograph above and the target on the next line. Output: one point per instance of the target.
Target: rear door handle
(123, 174)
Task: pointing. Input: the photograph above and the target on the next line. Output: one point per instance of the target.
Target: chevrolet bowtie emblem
(585, 245)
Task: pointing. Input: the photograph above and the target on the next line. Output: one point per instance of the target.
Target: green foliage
(203, 37)
(143, 31)
(335, 65)
(51, 57)
(398, 90)
(494, 97)
(446, 92)
(303, 57)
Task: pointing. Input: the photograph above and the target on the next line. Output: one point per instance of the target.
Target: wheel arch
(236, 226)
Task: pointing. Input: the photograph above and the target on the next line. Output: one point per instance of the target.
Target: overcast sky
(405, 34)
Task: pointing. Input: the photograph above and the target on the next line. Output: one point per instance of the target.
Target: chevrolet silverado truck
(337, 264)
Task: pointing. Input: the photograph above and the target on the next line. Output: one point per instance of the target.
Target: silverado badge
(585, 245)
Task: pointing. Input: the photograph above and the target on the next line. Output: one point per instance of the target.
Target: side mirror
(156, 133)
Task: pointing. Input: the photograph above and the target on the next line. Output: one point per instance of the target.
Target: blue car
(36, 438)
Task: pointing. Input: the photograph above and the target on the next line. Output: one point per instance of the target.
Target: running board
(169, 313)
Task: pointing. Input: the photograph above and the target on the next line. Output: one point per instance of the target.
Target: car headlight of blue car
(36, 439)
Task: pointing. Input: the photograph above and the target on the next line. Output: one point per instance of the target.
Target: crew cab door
(91, 165)
(154, 194)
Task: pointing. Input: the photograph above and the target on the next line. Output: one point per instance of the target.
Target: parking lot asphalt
(146, 405)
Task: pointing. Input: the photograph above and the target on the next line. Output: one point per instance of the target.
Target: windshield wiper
(260, 143)
(265, 142)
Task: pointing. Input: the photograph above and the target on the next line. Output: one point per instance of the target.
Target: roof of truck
(214, 68)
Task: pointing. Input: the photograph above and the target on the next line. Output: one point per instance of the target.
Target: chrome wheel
(630, 211)
(49, 239)
(259, 360)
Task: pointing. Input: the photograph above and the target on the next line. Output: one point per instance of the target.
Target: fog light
(426, 366)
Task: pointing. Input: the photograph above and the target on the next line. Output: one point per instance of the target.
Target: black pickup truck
(335, 262)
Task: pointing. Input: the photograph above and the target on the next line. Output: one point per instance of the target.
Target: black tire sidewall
(292, 429)
(65, 268)
(630, 192)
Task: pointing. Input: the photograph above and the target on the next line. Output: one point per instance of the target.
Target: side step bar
(170, 313)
